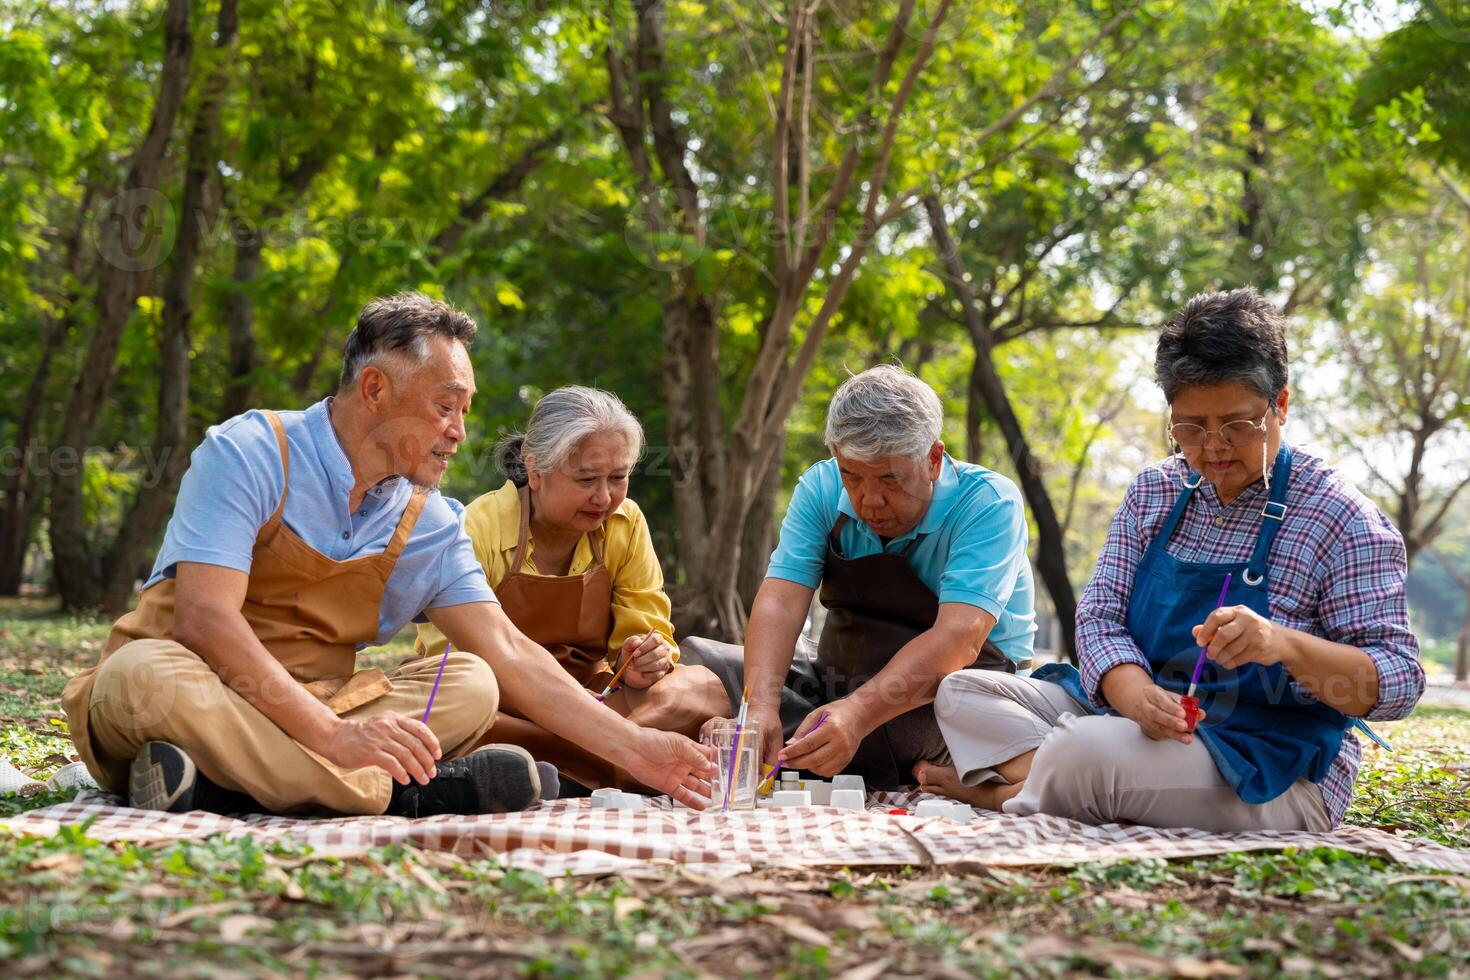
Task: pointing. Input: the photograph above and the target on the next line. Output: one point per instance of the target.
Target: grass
(71, 905)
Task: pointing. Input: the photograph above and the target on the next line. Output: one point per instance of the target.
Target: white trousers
(1098, 768)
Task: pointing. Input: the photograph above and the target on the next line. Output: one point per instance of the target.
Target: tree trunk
(1462, 648)
(154, 499)
(760, 531)
(240, 322)
(986, 385)
(126, 253)
(22, 493)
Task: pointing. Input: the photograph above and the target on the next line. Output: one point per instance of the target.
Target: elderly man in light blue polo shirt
(922, 566)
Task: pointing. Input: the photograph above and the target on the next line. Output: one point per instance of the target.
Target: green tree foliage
(716, 211)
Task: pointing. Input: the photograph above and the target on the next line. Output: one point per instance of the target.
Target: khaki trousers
(1099, 768)
(159, 690)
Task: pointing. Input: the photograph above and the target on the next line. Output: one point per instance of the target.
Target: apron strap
(594, 541)
(404, 531)
(1191, 483)
(834, 536)
(519, 561)
(280, 430)
(1273, 515)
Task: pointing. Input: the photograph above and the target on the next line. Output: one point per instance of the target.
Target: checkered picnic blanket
(568, 836)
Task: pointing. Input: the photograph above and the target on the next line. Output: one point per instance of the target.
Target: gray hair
(884, 411)
(1216, 338)
(401, 326)
(559, 423)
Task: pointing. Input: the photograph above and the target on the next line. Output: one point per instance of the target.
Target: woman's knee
(971, 692)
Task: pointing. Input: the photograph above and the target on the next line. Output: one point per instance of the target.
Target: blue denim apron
(1262, 735)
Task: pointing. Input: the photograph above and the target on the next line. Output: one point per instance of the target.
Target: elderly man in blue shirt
(298, 539)
(922, 566)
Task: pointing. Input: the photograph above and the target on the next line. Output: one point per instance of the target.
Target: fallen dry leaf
(198, 911)
(234, 928)
(624, 907)
(1194, 969)
(867, 971)
(798, 930)
(66, 862)
(1410, 953)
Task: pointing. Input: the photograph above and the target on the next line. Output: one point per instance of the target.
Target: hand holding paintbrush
(1189, 702)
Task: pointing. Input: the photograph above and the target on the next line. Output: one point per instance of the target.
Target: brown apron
(310, 612)
(875, 606)
(571, 616)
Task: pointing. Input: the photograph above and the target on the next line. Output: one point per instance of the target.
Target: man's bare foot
(944, 781)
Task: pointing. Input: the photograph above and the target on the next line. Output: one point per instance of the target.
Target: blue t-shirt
(234, 484)
(971, 548)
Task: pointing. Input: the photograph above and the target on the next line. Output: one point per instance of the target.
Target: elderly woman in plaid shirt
(1312, 637)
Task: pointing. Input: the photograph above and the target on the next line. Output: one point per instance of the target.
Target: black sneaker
(163, 777)
(491, 779)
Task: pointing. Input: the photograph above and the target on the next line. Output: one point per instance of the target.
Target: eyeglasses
(1241, 432)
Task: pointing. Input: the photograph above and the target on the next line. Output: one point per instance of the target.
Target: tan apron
(571, 616)
(310, 612)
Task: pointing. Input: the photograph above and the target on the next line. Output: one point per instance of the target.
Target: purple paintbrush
(1199, 664)
(735, 749)
(437, 678)
(766, 780)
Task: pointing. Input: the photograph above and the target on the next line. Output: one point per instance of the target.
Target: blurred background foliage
(196, 196)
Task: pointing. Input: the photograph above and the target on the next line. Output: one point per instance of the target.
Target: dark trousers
(886, 757)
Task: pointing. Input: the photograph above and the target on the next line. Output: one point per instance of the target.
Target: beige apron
(571, 616)
(310, 612)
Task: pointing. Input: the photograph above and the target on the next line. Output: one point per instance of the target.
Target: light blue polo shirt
(234, 484)
(971, 548)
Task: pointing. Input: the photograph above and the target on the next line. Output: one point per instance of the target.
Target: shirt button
(362, 513)
(1220, 521)
(345, 535)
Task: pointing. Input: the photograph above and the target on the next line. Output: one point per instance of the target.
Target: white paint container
(849, 799)
(627, 801)
(849, 782)
(821, 792)
(791, 797)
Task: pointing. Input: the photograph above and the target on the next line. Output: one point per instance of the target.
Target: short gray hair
(559, 423)
(884, 411)
(1215, 338)
(401, 325)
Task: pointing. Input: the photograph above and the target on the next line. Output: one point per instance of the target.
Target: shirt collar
(508, 513)
(329, 451)
(332, 456)
(935, 514)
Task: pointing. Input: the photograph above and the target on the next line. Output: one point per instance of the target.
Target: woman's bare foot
(944, 781)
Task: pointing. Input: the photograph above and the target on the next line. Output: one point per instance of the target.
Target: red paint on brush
(1191, 710)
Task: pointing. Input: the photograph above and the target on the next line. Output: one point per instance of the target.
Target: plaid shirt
(1336, 570)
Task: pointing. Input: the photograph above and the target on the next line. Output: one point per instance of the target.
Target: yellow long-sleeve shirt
(639, 604)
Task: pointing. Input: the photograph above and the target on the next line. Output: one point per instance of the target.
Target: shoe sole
(148, 778)
(507, 780)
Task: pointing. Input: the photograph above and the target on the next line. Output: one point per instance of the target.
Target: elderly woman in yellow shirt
(571, 561)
